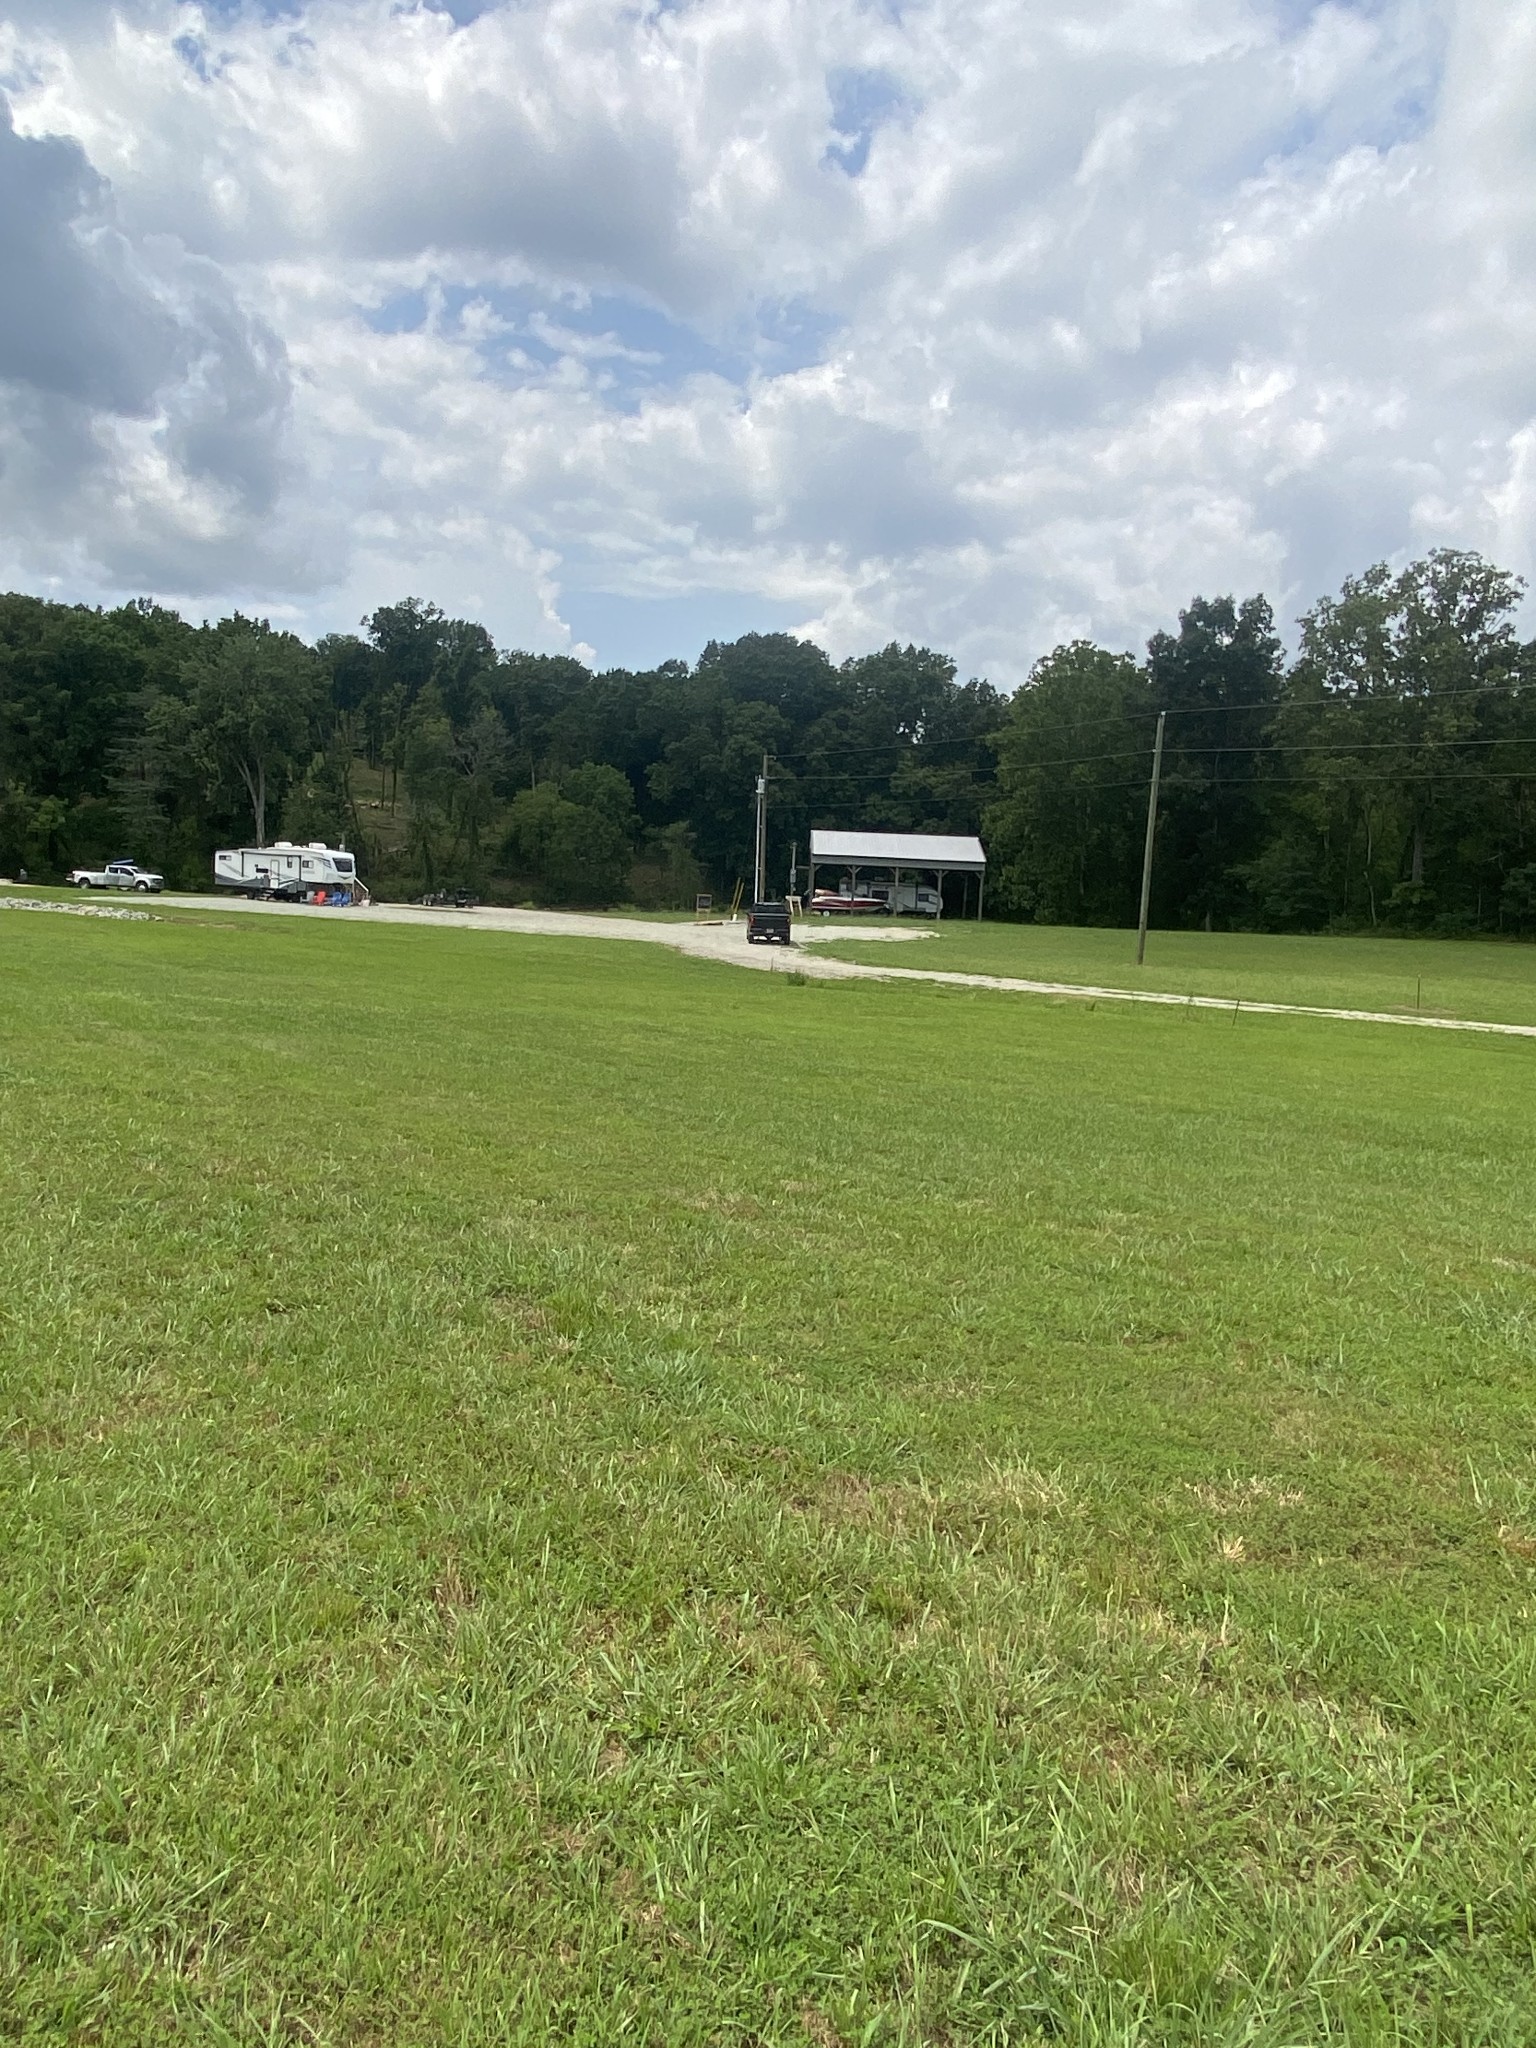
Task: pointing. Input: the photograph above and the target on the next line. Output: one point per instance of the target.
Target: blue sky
(639, 347)
(624, 326)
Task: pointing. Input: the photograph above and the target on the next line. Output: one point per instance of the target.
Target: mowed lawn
(554, 1492)
(1490, 979)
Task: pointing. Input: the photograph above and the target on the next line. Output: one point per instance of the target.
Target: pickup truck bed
(768, 925)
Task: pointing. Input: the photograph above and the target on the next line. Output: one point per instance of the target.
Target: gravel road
(728, 942)
(703, 941)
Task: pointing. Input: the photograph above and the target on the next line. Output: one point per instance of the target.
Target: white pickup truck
(117, 874)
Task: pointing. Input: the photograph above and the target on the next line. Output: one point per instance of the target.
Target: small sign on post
(702, 905)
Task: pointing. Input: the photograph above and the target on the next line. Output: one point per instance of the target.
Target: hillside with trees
(1381, 778)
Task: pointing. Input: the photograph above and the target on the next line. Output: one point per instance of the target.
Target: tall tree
(1073, 751)
(407, 638)
(431, 776)
(1219, 677)
(252, 700)
(541, 698)
(1406, 739)
(902, 747)
(573, 837)
(462, 671)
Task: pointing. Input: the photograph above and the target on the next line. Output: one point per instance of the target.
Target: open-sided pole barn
(898, 853)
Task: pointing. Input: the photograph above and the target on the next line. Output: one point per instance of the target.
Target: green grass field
(1448, 978)
(554, 1492)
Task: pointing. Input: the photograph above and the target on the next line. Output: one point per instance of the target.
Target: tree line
(1381, 777)
(1384, 777)
(443, 761)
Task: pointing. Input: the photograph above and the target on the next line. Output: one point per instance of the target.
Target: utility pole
(1146, 858)
(760, 844)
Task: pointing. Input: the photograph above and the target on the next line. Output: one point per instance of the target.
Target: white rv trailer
(286, 871)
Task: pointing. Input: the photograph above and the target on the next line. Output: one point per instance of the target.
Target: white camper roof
(900, 850)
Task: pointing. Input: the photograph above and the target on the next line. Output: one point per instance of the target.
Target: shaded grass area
(1445, 977)
(559, 1496)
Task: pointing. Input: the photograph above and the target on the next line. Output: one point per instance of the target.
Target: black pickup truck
(768, 924)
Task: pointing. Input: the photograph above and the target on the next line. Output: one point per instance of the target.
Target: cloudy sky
(621, 324)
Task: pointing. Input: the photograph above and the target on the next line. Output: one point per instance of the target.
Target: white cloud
(141, 407)
(976, 324)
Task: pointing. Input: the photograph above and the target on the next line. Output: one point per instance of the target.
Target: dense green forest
(1382, 777)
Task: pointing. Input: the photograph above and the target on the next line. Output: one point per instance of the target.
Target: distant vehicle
(768, 924)
(286, 873)
(447, 899)
(117, 874)
(828, 902)
(908, 899)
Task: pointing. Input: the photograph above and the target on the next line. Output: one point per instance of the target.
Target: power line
(842, 778)
(1301, 747)
(1335, 701)
(875, 775)
(894, 746)
(1305, 781)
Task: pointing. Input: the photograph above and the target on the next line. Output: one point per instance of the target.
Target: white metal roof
(900, 850)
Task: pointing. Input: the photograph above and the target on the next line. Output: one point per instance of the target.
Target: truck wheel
(142, 885)
(85, 882)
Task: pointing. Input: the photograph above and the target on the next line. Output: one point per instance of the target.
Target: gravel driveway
(728, 942)
(723, 941)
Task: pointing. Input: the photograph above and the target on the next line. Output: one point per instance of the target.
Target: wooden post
(1146, 858)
